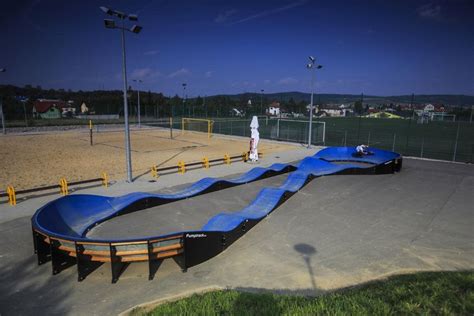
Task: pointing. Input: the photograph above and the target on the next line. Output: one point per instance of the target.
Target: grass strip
(432, 293)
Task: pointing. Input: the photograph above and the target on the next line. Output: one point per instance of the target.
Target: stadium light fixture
(311, 66)
(136, 29)
(106, 10)
(110, 24)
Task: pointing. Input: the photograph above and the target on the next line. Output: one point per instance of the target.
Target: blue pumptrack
(60, 227)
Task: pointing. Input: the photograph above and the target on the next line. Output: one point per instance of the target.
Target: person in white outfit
(361, 150)
(254, 138)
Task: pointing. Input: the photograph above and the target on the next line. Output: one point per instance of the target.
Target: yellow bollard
(205, 163)
(181, 167)
(105, 180)
(11, 195)
(227, 159)
(63, 185)
(154, 172)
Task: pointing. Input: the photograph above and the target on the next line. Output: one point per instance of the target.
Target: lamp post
(109, 23)
(184, 98)
(261, 101)
(138, 89)
(23, 100)
(1, 108)
(311, 66)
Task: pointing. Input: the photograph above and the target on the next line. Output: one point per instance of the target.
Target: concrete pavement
(337, 231)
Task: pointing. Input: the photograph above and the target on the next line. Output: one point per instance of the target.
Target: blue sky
(374, 47)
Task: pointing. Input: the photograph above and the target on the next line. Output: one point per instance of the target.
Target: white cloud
(267, 81)
(429, 11)
(179, 73)
(151, 52)
(208, 74)
(272, 11)
(224, 16)
(244, 84)
(287, 81)
(141, 73)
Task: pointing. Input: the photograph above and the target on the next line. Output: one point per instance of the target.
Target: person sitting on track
(362, 150)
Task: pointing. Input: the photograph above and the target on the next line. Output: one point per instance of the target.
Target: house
(429, 108)
(331, 110)
(48, 109)
(84, 108)
(68, 110)
(274, 109)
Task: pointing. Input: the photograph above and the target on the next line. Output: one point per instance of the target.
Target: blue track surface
(71, 217)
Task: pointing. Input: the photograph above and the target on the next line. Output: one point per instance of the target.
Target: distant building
(84, 108)
(48, 109)
(335, 110)
(69, 110)
(429, 108)
(274, 109)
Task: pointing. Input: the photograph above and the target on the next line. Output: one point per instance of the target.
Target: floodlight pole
(311, 109)
(261, 101)
(184, 99)
(135, 29)
(311, 66)
(125, 108)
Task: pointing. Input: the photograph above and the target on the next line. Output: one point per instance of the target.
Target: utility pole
(109, 23)
(184, 99)
(360, 112)
(311, 66)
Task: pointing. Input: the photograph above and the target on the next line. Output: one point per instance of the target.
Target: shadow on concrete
(307, 251)
(25, 287)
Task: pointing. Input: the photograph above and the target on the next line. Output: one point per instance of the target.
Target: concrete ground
(337, 231)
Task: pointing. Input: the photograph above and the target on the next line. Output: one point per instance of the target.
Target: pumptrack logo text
(196, 235)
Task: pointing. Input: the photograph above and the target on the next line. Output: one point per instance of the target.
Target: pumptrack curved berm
(60, 227)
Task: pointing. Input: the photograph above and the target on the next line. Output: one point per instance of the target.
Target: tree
(292, 107)
(358, 107)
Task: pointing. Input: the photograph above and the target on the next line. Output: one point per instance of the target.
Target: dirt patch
(32, 160)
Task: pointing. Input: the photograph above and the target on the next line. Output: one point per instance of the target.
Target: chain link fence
(452, 141)
(269, 128)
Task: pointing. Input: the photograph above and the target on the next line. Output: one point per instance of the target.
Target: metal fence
(269, 128)
(452, 141)
(444, 140)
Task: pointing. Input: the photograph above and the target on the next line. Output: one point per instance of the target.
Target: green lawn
(433, 293)
(435, 140)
